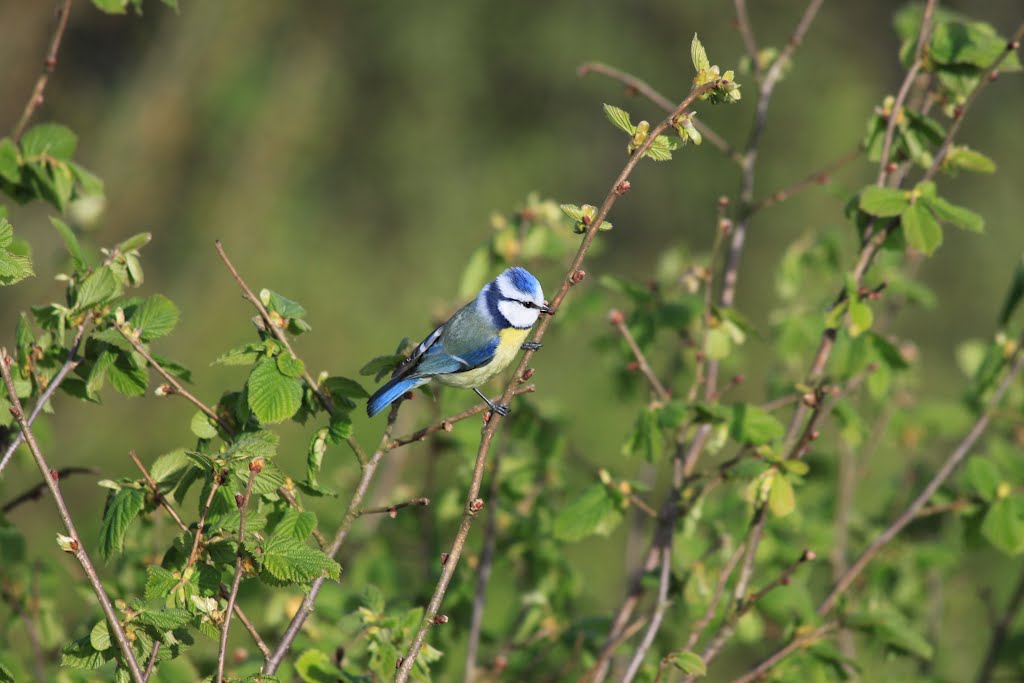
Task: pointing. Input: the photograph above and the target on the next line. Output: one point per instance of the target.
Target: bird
(475, 344)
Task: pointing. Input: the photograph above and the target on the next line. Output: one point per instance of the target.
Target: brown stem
(445, 425)
(254, 468)
(619, 322)
(395, 507)
(797, 643)
(151, 664)
(473, 504)
(817, 178)
(1000, 633)
(76, 546)
(49, 64)
(157, 495)
(194, 553)
(36, 492)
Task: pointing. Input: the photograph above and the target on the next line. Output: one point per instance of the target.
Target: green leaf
(781, 500)
(861, 318)
(1003, 525)
(284, 306)
(475, 274)
(290, 560)
(1013, 295)
(168, 469)
(690, 662)
(957, 215)
(272, 396)
(343, 390)
(983, 476)
(298, 525)
(99, 287)
(111, 6)
(80, 654)
(619, 119)
(122, 507)
(246, 354)
(314, 666)
(751, 424)
(963, 158)
(920, 229)
(572, 211)
(202, 426)
(164, 619)
(315, 456)
(698, 55)
(883, 201)
(290, 367)
(5, 674)
(717, 343)
(159, 582)
(48, 139)
(382, 364)
(340, 428)
(9, 168)
(261, 444)
(595, 512)
(156, 317)
(126, 377)
(646, 438)
(71, 242)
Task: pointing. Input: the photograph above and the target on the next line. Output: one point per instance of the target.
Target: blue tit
(476, 343)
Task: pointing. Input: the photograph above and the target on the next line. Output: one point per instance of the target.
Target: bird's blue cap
(521, 279)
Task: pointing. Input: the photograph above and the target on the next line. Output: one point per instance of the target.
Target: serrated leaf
(80, 654)
(1003, 525)
(14, 267)
(260, 444)
(135, 242)
(49, 140)
(99, 636)
(861, 318)
(284, 306)
(957, 215)
(345, 388)
(382, 364)
(246, 354)
(202, 426)
(781, 499)
(595, 512)
(165, 619)
(70, 242)
(698, 55)
(122, 508)
(883, 202)
(272, 396)
(963, 158)
(99, 287)
(288, 559)
(298, 525)
(619, 119)
(9, 169)
(290, 367)
(156, 317)
(690, 662)
(572, 211)
(752, 424)
(340, 428)
(314, 666)
(169, 467)
(126, 377)
(920, 229)
(646, 438)
(159, 583)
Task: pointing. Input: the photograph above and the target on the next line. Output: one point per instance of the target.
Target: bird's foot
(501, 409)
(531, 346)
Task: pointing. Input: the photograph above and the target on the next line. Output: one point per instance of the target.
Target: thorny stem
(473, 504)
(254, 468)
(369, 469)
(446, 424)
(77, 548)
(70, 364)
(49, 64)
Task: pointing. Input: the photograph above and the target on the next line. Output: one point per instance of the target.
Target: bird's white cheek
(517, 314)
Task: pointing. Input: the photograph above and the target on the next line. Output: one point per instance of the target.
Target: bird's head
(517, 296)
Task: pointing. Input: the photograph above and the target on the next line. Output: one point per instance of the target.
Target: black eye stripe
(528, 304)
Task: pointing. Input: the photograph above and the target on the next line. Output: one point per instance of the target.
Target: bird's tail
(390, 392)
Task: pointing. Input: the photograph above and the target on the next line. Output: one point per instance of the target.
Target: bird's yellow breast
(509, 343)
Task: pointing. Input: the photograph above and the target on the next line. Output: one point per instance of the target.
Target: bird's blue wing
(437, 360)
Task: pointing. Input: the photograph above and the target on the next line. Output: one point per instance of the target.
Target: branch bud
(477, 505)
(68, 544)
(256, 465)
(615, 317)
(622, 188)
(441, 619)
(577, 277)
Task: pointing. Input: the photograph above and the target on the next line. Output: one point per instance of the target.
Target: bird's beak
(546, 309)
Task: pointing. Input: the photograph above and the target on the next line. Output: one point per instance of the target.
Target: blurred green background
(350, 155)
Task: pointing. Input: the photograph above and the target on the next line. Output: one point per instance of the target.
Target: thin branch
(133, 338)
(247, 623)
(70, 364)
(445, 425)
(473, 503)
(1000, 633)
(634, 84)
(75, 544)
(243, 505)
(819, 177)
(618, 321)
(158, 496)
(36, 492)
(798, 643)
(901, 96)
(664, 579)
(395, 507)
(369, 468)
(278, 332)
(747, 34)
(194, 553)
(940, 477)
(716, 597)
(152, 661)
(49, 64)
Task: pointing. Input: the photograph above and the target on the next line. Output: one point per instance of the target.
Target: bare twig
(74, 544)
(1000, 633)
(369, 468)
(200, 526)
(944, 472)
(445, 425)
(716, 597)
(634, 84)
(819, 177)
(901, 96)
(473, 503)
(243, 505)
(395, 507)
(36, 492)
(618, 320)
(247, 623)
(70, 364)
(158, 496)
(747, 33)
(798, 643)
(49, 64)
(152, 661)
(664, 579)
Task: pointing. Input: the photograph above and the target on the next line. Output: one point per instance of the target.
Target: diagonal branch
(49, 64)
(74, 544)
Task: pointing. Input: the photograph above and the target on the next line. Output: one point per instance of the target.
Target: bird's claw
(531, 346)
(501, 409)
